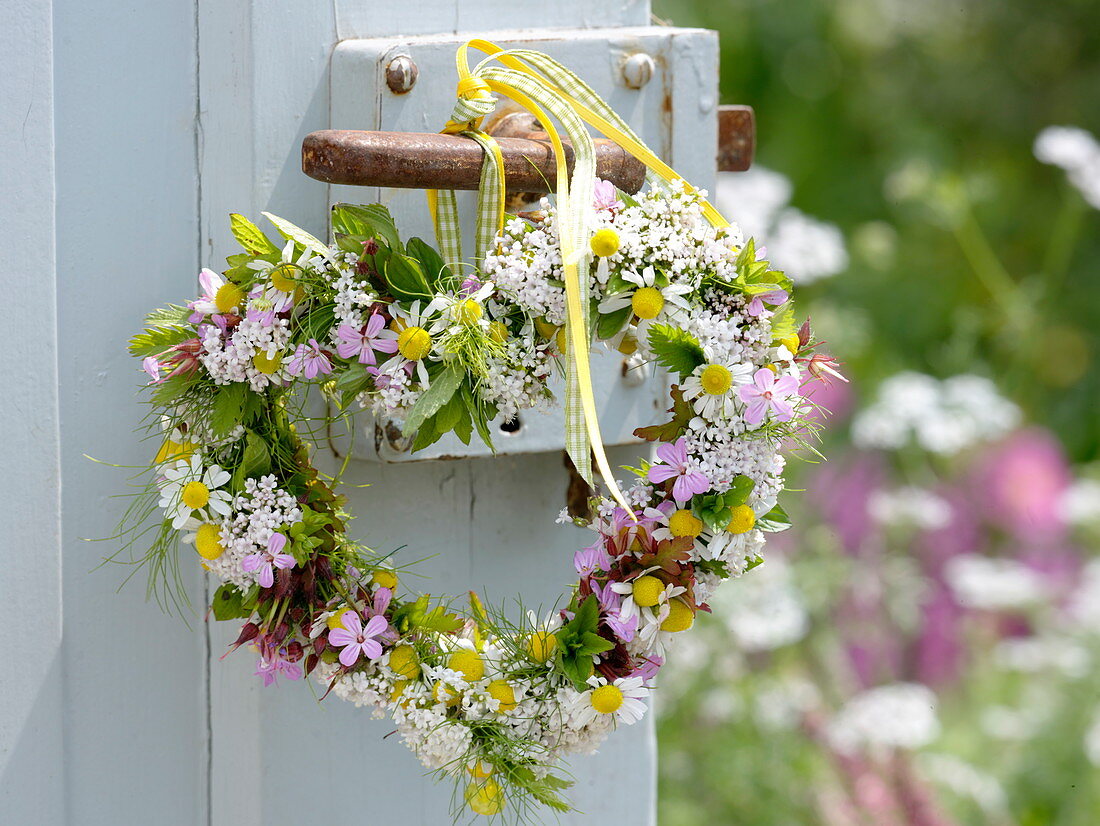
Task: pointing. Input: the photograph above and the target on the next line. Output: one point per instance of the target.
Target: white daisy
(189, 492)
(643, 592)
(712, 388)
(654, 294)
(623, 700)
(459, 310)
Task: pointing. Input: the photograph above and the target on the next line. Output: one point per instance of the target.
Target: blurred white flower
(943, 417)
(1080, 503)
(909, 507)
(900, 715)
(765, 610)
(966, 780)
(781, 703)
(1092, 739)
(1078, 153)
(1043, 655)
(993, 584)
(1083, 610)
(805, 248)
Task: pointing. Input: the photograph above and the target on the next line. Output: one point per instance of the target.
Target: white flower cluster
(259, 512)
(353, 296)
(228, 357)
(517, 379)
(900, 715)
(943, 417)
(994, 584)
(909, 506)
(1078, 153)
(764, 611)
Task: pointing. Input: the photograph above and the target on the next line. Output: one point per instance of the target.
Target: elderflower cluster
(263, 509)
(944, 417)
(228, 356)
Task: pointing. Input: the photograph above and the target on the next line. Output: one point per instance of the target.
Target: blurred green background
(911, 126)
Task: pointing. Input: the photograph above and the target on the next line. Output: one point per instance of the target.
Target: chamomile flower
(189, 491)
(622, 700)
(653, 295)
(645, 591)
(712, 388)
(460, 310)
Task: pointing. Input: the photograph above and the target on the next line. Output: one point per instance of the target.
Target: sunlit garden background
(924, 647)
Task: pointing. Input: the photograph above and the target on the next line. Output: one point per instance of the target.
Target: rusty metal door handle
(425, 160)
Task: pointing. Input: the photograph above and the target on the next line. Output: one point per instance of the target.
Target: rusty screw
(638, 70)
(401, 74)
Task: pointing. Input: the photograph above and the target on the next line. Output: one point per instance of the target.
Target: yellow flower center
(790, 342)
(195, 495)
(743, 520)
(561, 340)
(384, 578)
(404, 662)
(605, 242)
(228, 296)
(485, 797)
(267, 364)
(467, 663)
(173, 450)
(480, 769)
(501, 690)
(680, 617)
(498, 332)
(716, 379)
(442, 693)
(282, 278)
(541, 646)
(208, 541)
(337, 619)
(468, 312)
(545, 328)
(607, 699)
(414, 343)
(399, 687)
(629, 345)
(684, 523)
(647, 302)
(647, 591)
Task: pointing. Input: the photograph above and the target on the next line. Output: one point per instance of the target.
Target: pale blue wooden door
(130, 131)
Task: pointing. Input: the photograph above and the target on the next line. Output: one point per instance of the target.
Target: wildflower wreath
(406, 330)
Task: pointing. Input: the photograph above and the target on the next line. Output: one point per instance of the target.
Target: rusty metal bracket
(425, 160)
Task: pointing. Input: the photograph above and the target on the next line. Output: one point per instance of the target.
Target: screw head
(401, 74)
(637, 70)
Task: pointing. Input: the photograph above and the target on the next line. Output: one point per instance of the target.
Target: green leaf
(450, 414)
(431, 262)
(774, 521)
(297, 235)
(783, 322)
(352, 381)
(609, 324)
(227, 411)
(738, 493)
(716, 509)
(374, 221)
(478, 413)
(228, 603)
(171, 316)
(675, 349)
(713, 566)
(406, 279)
(255, 462)
(155, 341)
(421, 615)
(439, 392)
(250, 236)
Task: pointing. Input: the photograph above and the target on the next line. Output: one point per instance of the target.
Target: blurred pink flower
(1020, 483)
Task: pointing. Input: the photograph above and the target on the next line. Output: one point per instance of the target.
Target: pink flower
(264, 560)
(591, 559)
(273, 662)
(624, 629)
(768, 393)
(773, 297)
(151, 366)
(355, 639)
(824, 368)
(361, 343)
(688, 482)
(206, 305)
(309, 359)
(267, 302)
(605, 196)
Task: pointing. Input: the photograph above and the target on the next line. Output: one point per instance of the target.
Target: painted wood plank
(31, 743)
(134, 710)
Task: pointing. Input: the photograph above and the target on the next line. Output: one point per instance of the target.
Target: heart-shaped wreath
(403, 330)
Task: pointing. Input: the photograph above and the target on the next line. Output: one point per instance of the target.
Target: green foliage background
(910, 125)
